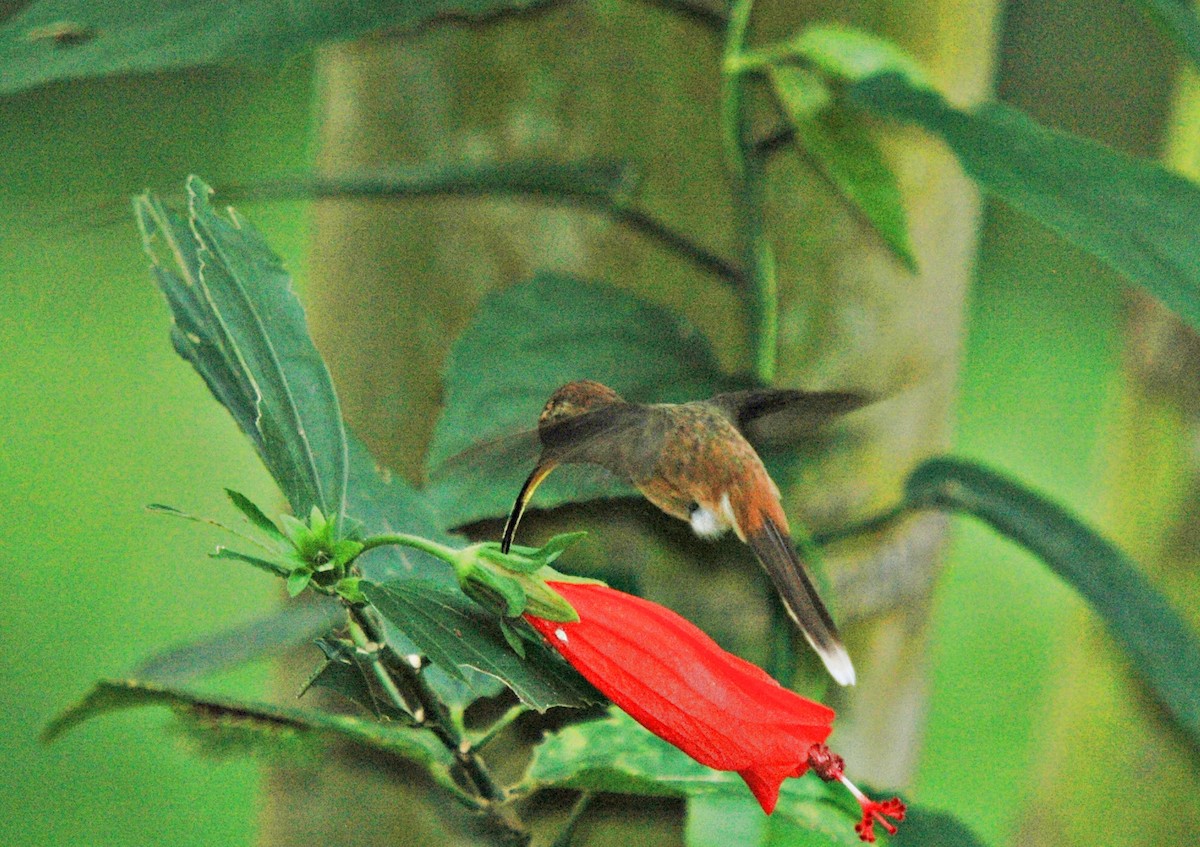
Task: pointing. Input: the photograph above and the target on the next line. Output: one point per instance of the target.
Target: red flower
(678, 683)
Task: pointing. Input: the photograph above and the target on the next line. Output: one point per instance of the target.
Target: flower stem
(746, 170)
(430, 713)
(403, 539)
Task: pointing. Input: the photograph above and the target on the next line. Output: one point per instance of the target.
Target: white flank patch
(709, 524)
(561, 635)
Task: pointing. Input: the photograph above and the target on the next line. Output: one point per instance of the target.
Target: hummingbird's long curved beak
(539, 473)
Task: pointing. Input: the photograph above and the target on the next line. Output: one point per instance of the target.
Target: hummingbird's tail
(775, 551)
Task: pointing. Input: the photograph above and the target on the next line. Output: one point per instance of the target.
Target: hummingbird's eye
(692, 507)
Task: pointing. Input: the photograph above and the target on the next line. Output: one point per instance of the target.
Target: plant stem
(403, 539)
(747, 174)
(430, 713)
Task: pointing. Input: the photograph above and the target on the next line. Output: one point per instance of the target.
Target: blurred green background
(99, 418)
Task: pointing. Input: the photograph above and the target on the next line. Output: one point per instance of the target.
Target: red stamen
(829, 766)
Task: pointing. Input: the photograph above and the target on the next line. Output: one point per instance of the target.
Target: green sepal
(496, 591)
(295, 529)
(298, 580)
(512, 637)
(544, 602)
(348, 589)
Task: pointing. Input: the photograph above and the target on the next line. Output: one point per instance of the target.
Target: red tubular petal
(679, 684)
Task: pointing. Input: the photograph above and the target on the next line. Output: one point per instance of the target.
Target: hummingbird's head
(574, 399)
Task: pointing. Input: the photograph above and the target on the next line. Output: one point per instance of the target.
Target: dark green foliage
(1160, 645)
(240, 325)
(454, 632)
(244, 727)
(62, 39)
(1135, 216)
(615, 754)
(290, 626)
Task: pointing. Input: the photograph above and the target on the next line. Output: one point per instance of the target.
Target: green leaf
(843, 149)
(254, 514)
(615, 754)
(1160, 645)
(251, 727)
(525, 342)
(1179, 20)
(454, 632)
(384, 503)
(143, 35)
(719, 820)
(238, 322)
(270, 567)
(292, 625)
(848, 55)
(1133, 215)
(345, 674)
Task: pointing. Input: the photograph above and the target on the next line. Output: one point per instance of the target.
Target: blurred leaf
(292, 625)
(141, 36)
(239, 323)
(1179, 20)
(846, 54)
(928, 828)
(720, 820)
(452, 632)
(615, 754)
(237, 726)
(1160, 645)
(1135, 216)
(254, 514)
(525, 342)
(842, 148)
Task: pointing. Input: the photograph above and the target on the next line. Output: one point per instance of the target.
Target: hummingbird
(694, 462)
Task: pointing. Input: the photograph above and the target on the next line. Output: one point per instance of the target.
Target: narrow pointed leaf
(270, 567)
(237, 320)
(1134, 215)
(251, 727)
(840, 144)
(456, 633)
(1161, 647)
(254, 514)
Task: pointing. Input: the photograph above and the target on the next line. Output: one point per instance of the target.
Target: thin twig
(599, 187)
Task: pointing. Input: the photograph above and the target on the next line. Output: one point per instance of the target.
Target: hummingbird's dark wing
(776, 416)
(480, 481)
